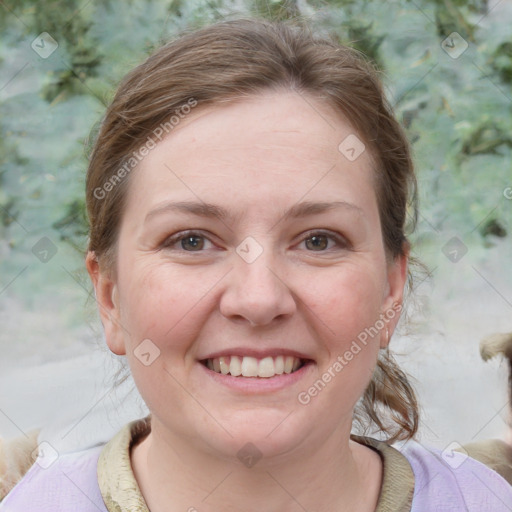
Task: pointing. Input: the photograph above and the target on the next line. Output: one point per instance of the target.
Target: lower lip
(259, 384)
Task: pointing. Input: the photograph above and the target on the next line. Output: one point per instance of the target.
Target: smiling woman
(255, 256)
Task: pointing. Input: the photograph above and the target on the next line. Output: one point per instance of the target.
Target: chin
(262, 433)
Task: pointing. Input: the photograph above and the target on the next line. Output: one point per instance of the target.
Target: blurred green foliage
(457, 111)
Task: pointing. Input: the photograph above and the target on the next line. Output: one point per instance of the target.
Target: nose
(256, 293)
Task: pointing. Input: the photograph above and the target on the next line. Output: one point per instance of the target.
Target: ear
(394, 295)
(106, 293)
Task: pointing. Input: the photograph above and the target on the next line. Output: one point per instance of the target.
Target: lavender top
(450, 483)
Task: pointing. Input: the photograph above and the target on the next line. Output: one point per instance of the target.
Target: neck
(338, 475)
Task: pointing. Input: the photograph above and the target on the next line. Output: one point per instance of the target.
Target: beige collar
(116, 480)
(121, 492)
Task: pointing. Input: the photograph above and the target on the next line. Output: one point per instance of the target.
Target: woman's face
(251, 242)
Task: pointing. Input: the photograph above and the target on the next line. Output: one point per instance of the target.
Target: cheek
(159, 302)
(164, 305)
(347, 300)
(346, 307)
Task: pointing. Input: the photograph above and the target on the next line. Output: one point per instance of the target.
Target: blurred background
(447, 68)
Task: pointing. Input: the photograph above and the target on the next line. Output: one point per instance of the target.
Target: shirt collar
(121, 492)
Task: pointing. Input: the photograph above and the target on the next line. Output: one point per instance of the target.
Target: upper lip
(258, 354)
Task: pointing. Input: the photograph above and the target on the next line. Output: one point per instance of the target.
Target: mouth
(248, 366)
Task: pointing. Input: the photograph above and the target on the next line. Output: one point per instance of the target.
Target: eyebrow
(199, 209)
(310, 208)
(209, 210)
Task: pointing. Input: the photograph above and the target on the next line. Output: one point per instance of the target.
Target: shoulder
(451, 480)
(97, 479)
(58, 483)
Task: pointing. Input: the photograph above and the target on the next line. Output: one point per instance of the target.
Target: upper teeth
(251, 367)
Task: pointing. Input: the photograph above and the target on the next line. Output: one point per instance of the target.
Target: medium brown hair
(235, 59)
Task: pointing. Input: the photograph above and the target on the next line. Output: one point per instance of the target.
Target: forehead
(277, 146)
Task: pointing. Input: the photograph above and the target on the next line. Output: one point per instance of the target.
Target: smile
(248, 366)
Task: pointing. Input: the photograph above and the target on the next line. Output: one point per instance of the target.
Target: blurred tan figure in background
(16, 457)
(495, 452)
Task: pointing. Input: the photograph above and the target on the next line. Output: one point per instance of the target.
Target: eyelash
(339, 240)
